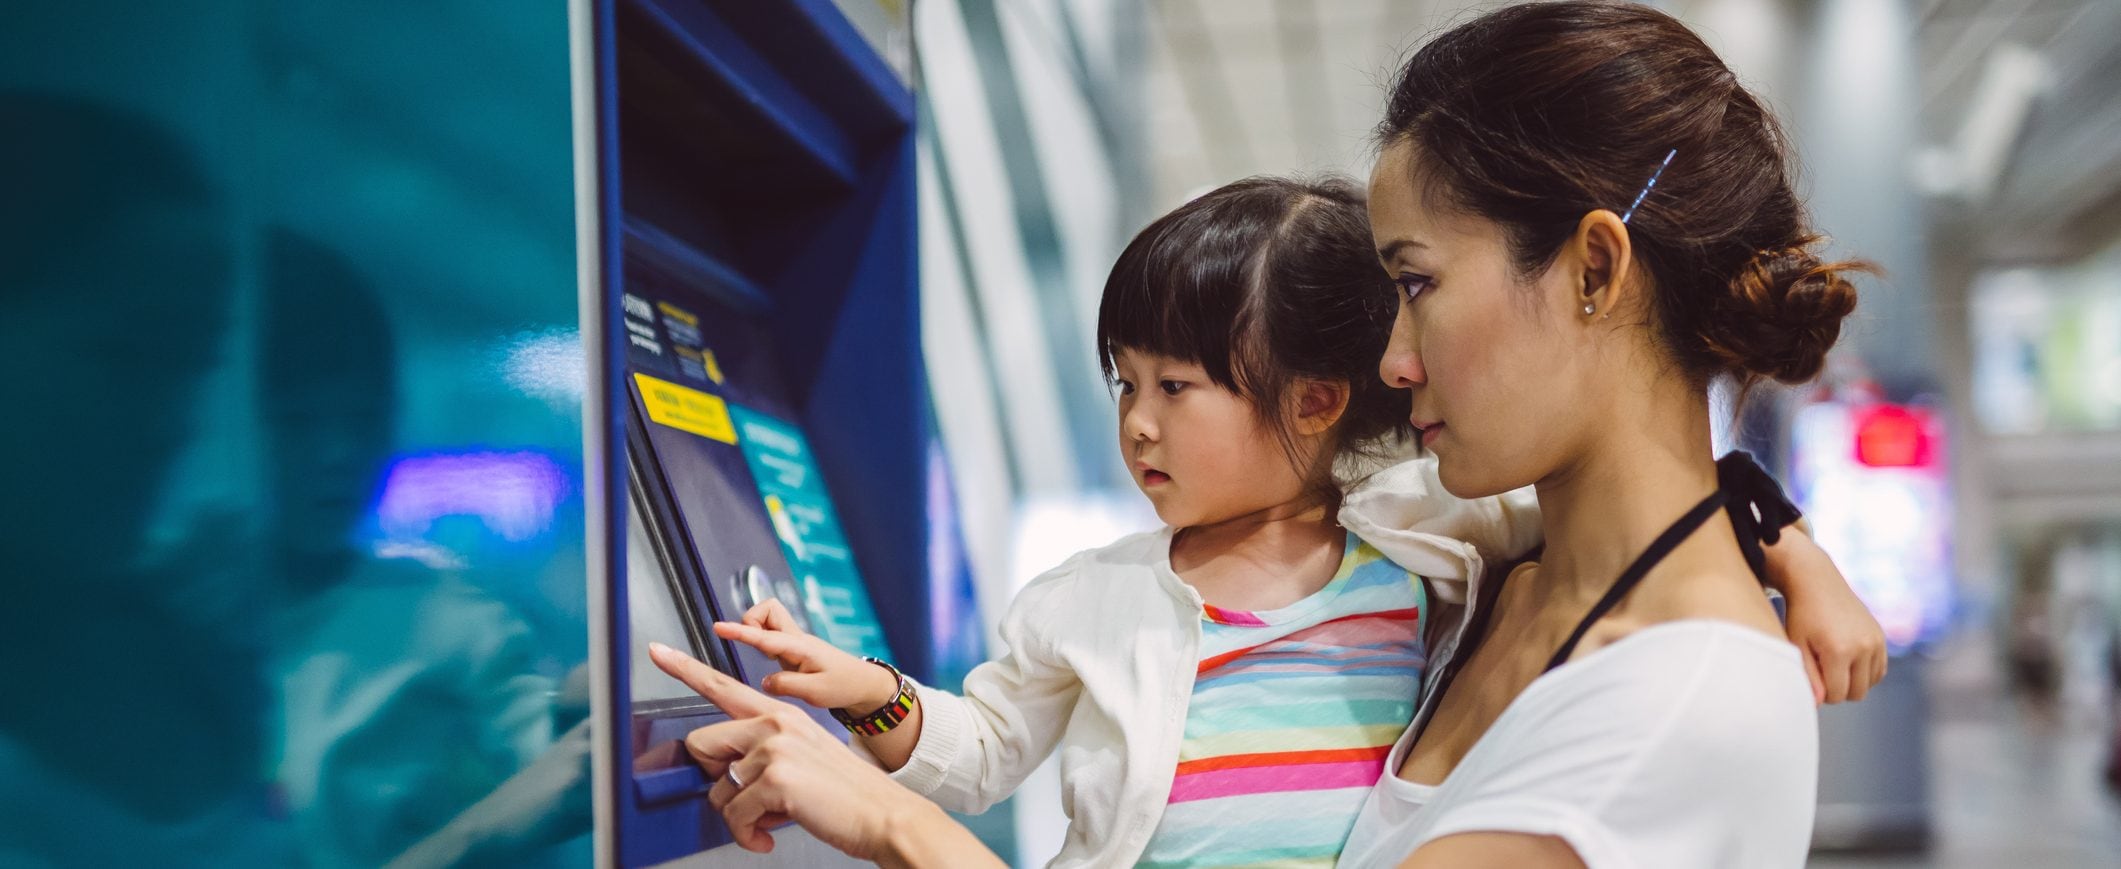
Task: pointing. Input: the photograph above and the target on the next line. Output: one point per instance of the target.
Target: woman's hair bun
(1781, 313)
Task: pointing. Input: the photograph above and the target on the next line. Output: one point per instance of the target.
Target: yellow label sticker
(714, 369)
(686, 409)
(679, 314)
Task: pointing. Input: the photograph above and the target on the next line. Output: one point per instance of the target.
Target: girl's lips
(1155, 478)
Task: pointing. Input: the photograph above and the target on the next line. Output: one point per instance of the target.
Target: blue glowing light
(515, 494)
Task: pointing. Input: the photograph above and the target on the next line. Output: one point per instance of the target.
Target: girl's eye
(1412, 286)
(1171, 387)
(1126, 388)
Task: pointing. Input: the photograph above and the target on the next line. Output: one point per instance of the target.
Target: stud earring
(1589, 310)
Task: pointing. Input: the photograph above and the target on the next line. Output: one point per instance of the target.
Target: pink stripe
(1239, 618)
(1355, 632)
(1276, 779)
(1340, 639)
(1351, 644)
(1329, 653)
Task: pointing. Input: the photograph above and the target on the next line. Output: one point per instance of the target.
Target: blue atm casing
(758, 404)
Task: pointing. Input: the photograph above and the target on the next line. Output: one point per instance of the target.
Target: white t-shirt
(1686, 744)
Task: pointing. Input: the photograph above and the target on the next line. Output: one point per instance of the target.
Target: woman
(1589, 220)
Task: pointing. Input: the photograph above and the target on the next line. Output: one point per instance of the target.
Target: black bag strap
(1758, 510)
(1674, 535)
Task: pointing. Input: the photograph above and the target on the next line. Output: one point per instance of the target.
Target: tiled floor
(2013, 786)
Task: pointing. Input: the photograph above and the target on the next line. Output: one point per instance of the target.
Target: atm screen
(656, 611)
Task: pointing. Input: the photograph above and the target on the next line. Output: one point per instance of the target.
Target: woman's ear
(1605, 256)
(1319, 405)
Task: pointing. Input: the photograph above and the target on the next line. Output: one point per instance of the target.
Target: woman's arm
(793, 770)
(1494, 851)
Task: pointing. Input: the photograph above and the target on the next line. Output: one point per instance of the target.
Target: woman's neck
(1601, 511)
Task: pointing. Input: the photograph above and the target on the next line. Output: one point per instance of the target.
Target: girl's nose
(1135, 426)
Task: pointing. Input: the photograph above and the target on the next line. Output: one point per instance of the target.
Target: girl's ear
(1319, 406)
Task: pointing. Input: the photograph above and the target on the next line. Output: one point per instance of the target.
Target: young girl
(1223, 691)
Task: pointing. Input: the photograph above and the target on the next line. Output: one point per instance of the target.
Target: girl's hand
(792, 770)
(1842, 645)
(813, 671)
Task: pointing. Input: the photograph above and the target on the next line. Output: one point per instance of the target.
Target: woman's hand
(1841, 643)
(814, 671)
(792, 770)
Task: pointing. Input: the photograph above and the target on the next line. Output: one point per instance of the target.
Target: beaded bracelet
(890, 715)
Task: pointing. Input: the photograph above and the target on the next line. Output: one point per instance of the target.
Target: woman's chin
(1463, 478)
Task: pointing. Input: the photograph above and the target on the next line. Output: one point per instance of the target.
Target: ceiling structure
(2057, 194)
(1237, 87)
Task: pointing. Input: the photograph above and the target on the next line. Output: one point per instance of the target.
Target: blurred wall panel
(289, 324)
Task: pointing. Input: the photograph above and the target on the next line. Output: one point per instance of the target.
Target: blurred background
(295, 537)
(1961, 460)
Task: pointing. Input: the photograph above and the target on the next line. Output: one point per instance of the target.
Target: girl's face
(1497, 364)
(1199, 451)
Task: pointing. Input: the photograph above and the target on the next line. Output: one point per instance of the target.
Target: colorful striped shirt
(1292, 715)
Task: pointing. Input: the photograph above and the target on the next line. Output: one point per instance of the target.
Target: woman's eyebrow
(1393, 247)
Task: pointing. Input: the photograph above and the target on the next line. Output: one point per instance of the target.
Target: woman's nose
(1401, 366)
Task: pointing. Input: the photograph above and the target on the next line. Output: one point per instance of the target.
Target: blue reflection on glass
(281, 280)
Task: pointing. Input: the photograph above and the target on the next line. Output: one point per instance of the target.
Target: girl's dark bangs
(1180, 290)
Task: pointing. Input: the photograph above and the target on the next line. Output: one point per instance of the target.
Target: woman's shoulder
(1692, 737)
(1712, 588)
(1679, 659)
(1665, 710)
(1680, 693)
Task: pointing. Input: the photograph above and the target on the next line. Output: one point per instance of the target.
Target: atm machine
(758, 423)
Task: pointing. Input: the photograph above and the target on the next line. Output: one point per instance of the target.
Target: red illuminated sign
(1894, 436)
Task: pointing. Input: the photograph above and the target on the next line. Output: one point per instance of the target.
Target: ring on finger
(734, 781)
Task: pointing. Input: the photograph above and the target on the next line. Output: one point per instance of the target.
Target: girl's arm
(1842, 645)
(820, 674)
(964, 752)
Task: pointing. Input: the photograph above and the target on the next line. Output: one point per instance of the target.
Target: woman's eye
(1411, 286)
(1171, 387)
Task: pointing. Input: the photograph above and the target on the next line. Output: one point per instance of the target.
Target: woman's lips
(1429, 432)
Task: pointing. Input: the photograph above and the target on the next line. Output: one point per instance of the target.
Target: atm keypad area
(758, 289)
